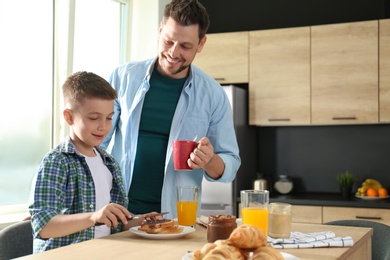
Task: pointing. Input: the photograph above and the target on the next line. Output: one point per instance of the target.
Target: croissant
(247, 236)
(224, 251)
(267, 252)
(200, 254)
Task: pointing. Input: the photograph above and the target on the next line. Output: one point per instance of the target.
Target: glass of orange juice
(187, 205)
(254, 208)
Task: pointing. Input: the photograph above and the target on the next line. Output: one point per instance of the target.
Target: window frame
(62, 67)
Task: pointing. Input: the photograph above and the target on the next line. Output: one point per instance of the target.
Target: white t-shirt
(102, 179)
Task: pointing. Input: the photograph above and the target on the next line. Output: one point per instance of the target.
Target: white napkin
(310, 240)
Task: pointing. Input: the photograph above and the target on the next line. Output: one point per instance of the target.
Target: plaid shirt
(64, 185)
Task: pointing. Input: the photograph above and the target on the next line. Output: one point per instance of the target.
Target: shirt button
(90, 184)
(91, 206)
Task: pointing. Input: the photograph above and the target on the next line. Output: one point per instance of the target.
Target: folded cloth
(310, 240)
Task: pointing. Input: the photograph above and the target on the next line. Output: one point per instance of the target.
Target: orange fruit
(371, 192)
(382, 192)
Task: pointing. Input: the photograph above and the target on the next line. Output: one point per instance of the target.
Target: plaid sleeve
(48, 195)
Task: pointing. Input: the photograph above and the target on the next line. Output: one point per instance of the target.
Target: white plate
(289, 256)
(286, 256)
(371, 198)
(186, 231)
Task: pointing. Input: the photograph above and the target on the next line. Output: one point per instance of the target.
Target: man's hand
(202, 154)
(204, 157)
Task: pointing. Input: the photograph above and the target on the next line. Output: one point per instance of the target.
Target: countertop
(126, 245)
(329, 199)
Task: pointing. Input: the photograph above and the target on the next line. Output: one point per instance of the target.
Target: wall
(312, 155)
(143, 27)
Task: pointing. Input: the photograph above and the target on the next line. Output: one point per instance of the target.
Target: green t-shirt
(156, 118)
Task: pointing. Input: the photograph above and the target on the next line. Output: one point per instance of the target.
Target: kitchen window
(42, 42)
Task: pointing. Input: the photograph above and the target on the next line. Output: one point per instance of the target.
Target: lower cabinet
(324, 214)
(340, 213)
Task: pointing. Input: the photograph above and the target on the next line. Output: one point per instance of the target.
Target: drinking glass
(187, 205)
(254, 208)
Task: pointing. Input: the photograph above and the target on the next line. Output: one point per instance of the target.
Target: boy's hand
(111, 214)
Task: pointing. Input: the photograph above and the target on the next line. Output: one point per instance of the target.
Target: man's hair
(82, 84)
(188, 12)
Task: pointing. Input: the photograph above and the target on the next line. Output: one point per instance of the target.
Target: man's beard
(168, 72)
(181, 69)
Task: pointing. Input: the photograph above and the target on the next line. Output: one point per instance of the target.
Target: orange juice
(186, 212)
(257, 217)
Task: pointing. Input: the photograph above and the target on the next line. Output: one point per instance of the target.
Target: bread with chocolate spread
(161, 226)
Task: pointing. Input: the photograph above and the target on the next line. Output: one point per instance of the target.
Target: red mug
(181, 153)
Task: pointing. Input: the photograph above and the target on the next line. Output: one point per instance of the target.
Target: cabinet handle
(364, 217)
(278, 119)
(222, 79)
(345, 118)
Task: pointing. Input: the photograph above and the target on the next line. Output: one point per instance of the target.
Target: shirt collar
(68, 147)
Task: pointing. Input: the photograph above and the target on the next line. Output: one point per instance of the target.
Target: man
(165, 99)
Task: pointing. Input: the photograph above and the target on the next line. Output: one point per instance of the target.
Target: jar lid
(221, 217)
(279, 207)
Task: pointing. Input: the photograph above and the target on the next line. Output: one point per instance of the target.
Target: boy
(78, 185)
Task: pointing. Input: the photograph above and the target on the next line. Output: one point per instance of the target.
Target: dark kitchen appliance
(222, 198)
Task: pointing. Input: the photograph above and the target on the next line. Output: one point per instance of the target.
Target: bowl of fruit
(372, 189)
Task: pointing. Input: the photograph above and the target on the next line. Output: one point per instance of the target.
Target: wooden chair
(380, 238)
(16, 240)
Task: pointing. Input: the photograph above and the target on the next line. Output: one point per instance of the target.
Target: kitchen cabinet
(370, 214)
(225, 57)
(344, 71)
(306, 214)
(279, 76)
(384, 71)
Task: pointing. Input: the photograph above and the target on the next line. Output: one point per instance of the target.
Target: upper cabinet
(344, 71)
(384, 71)
(279, 76)
(321, 75)
(225, 57)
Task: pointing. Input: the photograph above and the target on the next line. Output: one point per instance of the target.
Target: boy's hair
(82, 84)
(188, 12)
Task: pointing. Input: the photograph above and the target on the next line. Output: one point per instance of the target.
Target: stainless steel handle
(216, 206)
(278, 119)
(365, 217)
(345, 118)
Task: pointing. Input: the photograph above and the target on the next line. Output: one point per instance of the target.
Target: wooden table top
(126, 245)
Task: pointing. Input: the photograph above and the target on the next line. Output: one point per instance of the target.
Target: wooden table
(127, 245)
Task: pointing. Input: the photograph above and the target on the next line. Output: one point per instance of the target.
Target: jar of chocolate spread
(220, 227)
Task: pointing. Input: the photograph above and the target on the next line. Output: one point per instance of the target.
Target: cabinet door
(384, 71)
(341, 213)
(279, 76)
(345, 73)
(225, 57)
(306, 214)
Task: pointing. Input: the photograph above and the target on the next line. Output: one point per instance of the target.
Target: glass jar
(220, 227)
(279, 220)
(284, 184)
